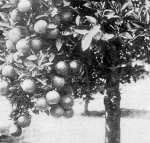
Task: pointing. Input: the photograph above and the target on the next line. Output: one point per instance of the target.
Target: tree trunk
(112, 108)
(86, 111)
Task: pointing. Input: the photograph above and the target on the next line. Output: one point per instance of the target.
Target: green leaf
(87, 39)
(107, 36)
(32, 58)
(59, 43)
(126, 35)
(91, 19)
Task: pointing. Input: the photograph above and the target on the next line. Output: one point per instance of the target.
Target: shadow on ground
(125, 113)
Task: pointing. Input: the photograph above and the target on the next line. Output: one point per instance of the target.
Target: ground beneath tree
(135, 123)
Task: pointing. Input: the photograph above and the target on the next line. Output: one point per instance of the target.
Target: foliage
(86, 31)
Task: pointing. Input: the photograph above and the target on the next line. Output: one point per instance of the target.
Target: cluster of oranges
(25, 39)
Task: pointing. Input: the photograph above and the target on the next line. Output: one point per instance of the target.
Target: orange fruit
(28, 86)
(15, 15)
(40, 26)
(67, 102)
(52, 97)
(67, 90)
(10, 46)
(13, 1)
(4, 87)
(67, 15)
(58, 3)
(8, 71)
(15, 130)
(36, 44)
(15, 34)
(69, 113)
(53, 33)
(10, 58)
(23, 121)
(23, 46)
(75, 67)
(61, 68)
(24, 5)
(57, 111)
(2, 3)
(58, 82)
(57, 19)
(41, 103)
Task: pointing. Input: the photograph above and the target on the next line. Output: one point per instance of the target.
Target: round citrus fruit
(61, 68)
(75, 67)
(67, 15)
(36, 44)
(4, 87)
(40, 26)
(52, 97)
(58, 82)
(57, 19)
(10, 46)
(13, 1)
(8, 71)
(69, 113)
(28, 86)
(15, 34)
(41, 103)
(67, 102)
(15, 15)
(57, 111)
(58, 3)
(23, 121)
(24, 5)
(23, 46)
(67, 90)
(15, 130)
(53, 33)
(10, 58)
(2, 3)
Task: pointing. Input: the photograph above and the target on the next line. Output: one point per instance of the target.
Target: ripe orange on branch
(24, 5)
(67, 102)
(53, 33)
(15, 34)
(67, 15)
(61, 68)
(69, 113)
(8, 71)
(57, 111)
(40, 26)
(11, 47)
(15, 15)
(75, 67)
(52, 97)
(23, 121)
(58, 82)
(28, 86)
(15, 130)
(4, 87)
(41, 103)
(23, 46)
(36, 44)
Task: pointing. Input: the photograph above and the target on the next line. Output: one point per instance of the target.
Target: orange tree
(53, 51)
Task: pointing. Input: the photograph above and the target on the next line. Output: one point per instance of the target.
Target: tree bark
(112, 108)
(86, 111)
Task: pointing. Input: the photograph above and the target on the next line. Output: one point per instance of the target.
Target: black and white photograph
(74, 71)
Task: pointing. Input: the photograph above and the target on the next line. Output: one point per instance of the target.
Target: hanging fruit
(57, 111)
(23, 121)
(8, 71)
(52, 97)
(61, 68)
(28, 86)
